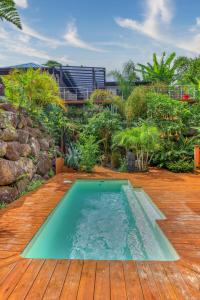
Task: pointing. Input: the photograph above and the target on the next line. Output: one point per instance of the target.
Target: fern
(9, 12)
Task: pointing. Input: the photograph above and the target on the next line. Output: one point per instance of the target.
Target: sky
(104, 33)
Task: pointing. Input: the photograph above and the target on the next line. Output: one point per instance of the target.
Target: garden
(141, 127)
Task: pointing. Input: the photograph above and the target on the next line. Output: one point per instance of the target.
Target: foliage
(33, 185)
(180, 166)
(102, 126)
(32, 89)
(163, 71)
(9, 12)
(52, 63)
(2, 205)
(89, 152)
(101, 95)
(189, 70)
(72, 159)
(126, 79)
(142, 140)
(115, 159)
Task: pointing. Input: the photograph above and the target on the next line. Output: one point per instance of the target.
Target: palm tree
(126, 79)
(143, 141)
(9, 12)
(163, 71)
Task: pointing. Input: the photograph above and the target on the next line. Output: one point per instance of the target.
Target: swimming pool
(102, 220)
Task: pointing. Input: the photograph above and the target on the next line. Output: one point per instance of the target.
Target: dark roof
(26, 66)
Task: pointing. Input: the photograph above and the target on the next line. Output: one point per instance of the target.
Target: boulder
(44, 165)
(25, 150)
(21, 185)
(8, 119)
(34, 132)
(37, 177)
(22, 122)
(44, 144)
(9, 134)
(23, 136)
(7, 194)
(12, 171)
(3, 147)
(13, 151)
(29, 122)
(7, 107)
(35, 146)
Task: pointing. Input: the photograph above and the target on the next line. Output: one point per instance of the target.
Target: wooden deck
(178, 196)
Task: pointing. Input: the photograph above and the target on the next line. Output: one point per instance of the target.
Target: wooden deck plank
(117, 281)
(133, 286)
(72, 280)
(87, 282)
(102, 283)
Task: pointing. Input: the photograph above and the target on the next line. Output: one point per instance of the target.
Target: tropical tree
(9, 12)
(160, 71)
(31, 89)
(52, 63)
(126, 79)
(142, 140)
(188, 70)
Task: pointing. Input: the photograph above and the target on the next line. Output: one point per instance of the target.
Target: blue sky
(100, 33)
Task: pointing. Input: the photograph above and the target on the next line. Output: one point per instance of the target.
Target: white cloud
(157, 11)
(22, 3)
(73, 39)
(158, 17)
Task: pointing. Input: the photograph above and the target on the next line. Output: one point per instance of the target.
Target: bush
(115, 159)
(89, 152)
(136, 104)
(33, 185)
(101, 95)
(2, 205)
(180, 166)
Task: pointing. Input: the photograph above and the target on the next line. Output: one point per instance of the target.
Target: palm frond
(9, 12)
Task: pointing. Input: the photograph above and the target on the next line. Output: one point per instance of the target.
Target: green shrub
(180, 166)
(123, 165)
(33, 185)
(115, 159)
(72, 159)
(2, 205)
(89, 152)
(101, 95)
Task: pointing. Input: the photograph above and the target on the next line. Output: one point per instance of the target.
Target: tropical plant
(126, 79)
(143, 141)
(9, 12)
(163, 71)
(102, 126)
(101, 95)
(52, 63)
(181, 166)
(89, 152)
(31, 89)
(2, 205)
(189, 70)
(72, 159)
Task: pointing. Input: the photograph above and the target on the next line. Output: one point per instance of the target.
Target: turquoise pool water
(102, 220)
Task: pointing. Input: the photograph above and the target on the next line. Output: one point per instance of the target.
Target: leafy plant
(163, 71)
(101, 95)
(2, 205)
(9, 12)
(33, 185)
(72, 159)
(32, 89)
(115, 159)
(126, 79)
(89, 152)
(180, 166)
(52, 63)
(143, 141)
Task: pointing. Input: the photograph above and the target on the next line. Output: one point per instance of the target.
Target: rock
(13, 151)
(9, 134)
(12, 171)
(35, 146)
(21, 185)
(44, 144)
(44, 165)
(8, 119)
(23, 136)
(7, 194)
(3, 147)
(29, 122)
(7, 107)
(22, 122)
(34, 132)
(37, 177)
(25, 150)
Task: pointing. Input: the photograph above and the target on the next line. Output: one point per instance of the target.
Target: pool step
(138, 194)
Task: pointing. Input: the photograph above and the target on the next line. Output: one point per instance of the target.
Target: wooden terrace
(177, 195)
